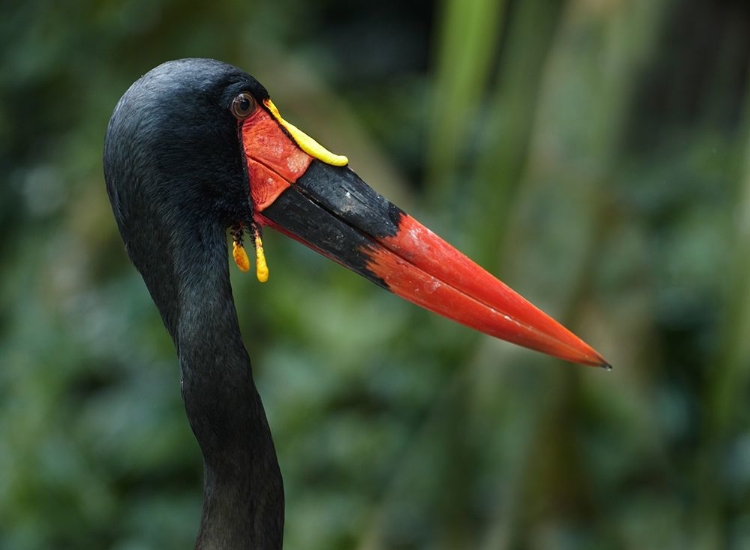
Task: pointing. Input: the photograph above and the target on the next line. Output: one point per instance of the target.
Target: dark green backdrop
(592, 153)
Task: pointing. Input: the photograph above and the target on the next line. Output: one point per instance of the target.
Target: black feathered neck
(175, 178)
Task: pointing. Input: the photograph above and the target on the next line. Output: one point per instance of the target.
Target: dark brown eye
(243, 105)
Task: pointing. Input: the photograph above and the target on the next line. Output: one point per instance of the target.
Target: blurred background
(594, 154)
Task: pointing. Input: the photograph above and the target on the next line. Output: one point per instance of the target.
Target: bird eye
(243, 105)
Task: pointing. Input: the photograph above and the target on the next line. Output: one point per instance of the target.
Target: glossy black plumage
(183, 164)
(176, 180)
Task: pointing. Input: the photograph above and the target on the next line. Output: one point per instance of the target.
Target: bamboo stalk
(469, 32)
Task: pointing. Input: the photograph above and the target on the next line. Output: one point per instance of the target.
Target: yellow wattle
(240, 256)
(261, 267)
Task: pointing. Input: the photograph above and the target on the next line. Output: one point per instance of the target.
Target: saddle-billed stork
(196, 147)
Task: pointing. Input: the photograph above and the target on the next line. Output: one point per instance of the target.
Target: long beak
(309, 194)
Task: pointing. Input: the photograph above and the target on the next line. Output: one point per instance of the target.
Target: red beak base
(331, 210)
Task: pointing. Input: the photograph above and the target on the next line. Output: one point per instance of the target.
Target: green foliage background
(592, 153)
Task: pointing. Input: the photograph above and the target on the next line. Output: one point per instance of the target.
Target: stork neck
(243, 493)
